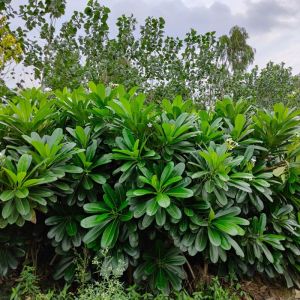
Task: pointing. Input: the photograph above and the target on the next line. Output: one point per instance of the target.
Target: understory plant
(160, 188)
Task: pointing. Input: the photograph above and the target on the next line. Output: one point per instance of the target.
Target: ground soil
(259, 290)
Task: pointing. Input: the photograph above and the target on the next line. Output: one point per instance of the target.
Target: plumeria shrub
(160, 188)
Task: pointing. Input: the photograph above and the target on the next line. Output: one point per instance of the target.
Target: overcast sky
(273, 25)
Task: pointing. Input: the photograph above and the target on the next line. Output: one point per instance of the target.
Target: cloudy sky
(273, 25)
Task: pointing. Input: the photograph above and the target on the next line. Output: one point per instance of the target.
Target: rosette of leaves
(276, 128)
(183, 231)
(65, 231)
(259, 244)
(135, 154)
(215, 172)
(160, 193)
(291, 258)
(285, 222)
(177, 107)
(126, 251)
(261, 186)
(24, 190)
(162, 268)
(108, 217)
(205, 229)
(229, 109)
(11, 250)
(209, 126)
(289, 174)
(219, 229)
(175, 137)
(51, 153)
(239, 130)
(65, 267)
(75, 106)
(284, 219)
(31, 111)
(87, 182)
(101, 95)
(131, 111)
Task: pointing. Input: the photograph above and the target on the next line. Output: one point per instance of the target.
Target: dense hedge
(155, 185)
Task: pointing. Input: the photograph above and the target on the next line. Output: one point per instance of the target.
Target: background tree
(201, 67)
(237, 53)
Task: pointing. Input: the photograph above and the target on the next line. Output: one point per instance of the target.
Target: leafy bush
(155, 186)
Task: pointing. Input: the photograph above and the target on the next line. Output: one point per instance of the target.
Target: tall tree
(237, 53)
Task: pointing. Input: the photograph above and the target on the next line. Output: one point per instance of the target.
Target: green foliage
(161, 194)
(162, 268)
(23, 191)
(107, 216)
(11, 249)
(31, 111)
(28, 285)
(153, 187)
(134, 153)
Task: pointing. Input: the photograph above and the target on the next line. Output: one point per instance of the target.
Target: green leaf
(214, 237)
(7, 195)
(72, 169)
(225, 227)
(22, 206)
(98, 178)
(242, 175)
(163, 200)
(22, 193)
(199, 174)
(201, 240)
(95, 207)
(93, 220)
(24, 163)
(110, 235)
(94, 233)
(11, 175)
(213, 253)
(141, 192)
(160, 217)
(152, 207)
(236, 247)
(81, 136)
(71, 228)
(174, 211)
(87, 183)
(180, 192)
(91, 150)
(7, 209)
(161, 282)
(166, 173)
(267, 253)
(221, 196)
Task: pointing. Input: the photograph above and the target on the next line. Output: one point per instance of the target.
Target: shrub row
(158, 186)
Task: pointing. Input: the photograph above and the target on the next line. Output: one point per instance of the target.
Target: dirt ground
(259, 290)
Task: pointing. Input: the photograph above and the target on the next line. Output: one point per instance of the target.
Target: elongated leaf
(141, 192)
(92, 221)
(214, 237)
(22, 206)
(163, 200)
(95, 207)
(180, 192)
(152, 207)
(110, 235)
(174, 211)
(7, 195)
(201, 240)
